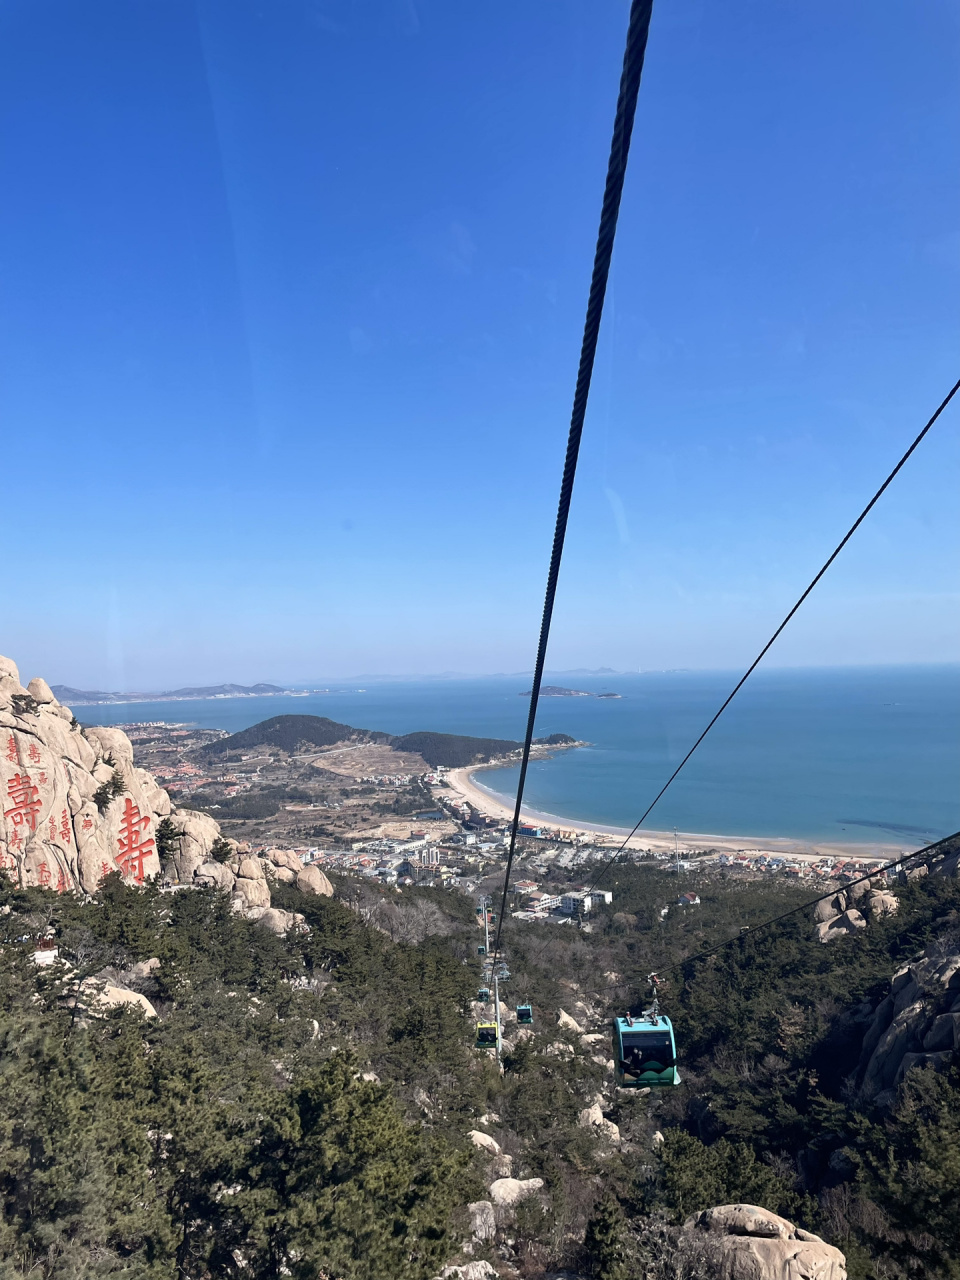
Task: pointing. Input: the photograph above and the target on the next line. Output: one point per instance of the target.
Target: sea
(858, 755)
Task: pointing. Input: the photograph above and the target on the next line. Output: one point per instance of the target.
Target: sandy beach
(467, 785)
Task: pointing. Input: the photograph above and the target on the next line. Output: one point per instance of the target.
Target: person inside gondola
(646, 1051)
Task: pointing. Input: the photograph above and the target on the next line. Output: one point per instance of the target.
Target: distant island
(97, 697)
(558, 691)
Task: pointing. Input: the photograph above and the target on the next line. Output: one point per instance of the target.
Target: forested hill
(299, 733)
(453, 750)
(294, 733)
(312, 1104)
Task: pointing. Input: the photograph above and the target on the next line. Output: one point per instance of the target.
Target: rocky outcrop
(312, 880)
(278, 921)
(479, 1270)
(193, 837)
(502, 1164)
(592, 1117)
(839, 926)
(506, 1192)
(916, 1024)
(74, 808)
(836, 917)
(245, 877)
(282, 865)
(99, 996)
(755, 1244)
(485, 1142)
(567, 1023)
(483, 1220)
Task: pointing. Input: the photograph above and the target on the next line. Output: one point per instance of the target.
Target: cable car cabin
(487, 1036)
(481, 951)
(644, 1051)
(525, 1015)
(483, 995)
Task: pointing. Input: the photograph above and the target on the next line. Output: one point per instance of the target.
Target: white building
(571, 903)
(584, 901)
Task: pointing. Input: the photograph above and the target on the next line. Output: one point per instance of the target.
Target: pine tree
(605, 1240)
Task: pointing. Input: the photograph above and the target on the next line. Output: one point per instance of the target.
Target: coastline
(471, 790)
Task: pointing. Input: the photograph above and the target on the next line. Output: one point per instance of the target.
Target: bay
(848, 754)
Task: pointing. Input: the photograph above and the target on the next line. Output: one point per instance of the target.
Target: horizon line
(313, 684)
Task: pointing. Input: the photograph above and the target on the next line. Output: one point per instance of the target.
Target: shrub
(108, 791)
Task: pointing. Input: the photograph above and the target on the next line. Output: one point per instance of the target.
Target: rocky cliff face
(916, 1024)
(75, 808)
(866, 901)
(838, 916)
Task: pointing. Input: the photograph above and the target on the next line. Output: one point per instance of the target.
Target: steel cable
(637, 32)
(766, 648)
(609, 862)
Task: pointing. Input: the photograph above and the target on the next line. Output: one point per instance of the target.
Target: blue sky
(291, 297)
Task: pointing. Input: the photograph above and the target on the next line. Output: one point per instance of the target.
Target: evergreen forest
(301, 1105)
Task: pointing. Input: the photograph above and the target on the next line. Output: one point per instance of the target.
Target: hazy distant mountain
(584, 671)
(91, 697)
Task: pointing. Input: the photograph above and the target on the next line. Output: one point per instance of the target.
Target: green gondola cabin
(645, 1052)
(483, 995)
(525, 1015)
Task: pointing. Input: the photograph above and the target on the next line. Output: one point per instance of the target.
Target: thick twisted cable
(766, 648)
(637, 31)
(618, 853)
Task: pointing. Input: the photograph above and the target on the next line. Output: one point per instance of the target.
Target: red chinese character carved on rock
(26, 801)
(33, 751)
(65, 829)
(12, 750)
(53, 828)
(61, 880)
(105, 869)
(133, 848)
(86, 824)
(43, 875)
(16, 841)
(42, 779)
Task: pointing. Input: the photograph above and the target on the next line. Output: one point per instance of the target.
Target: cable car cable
(637, 31)
(766, 648)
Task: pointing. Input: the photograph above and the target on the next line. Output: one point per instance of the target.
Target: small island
(558, 691)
